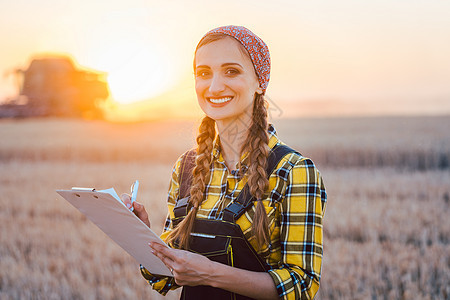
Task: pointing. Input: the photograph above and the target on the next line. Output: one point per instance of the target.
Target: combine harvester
(53, 86)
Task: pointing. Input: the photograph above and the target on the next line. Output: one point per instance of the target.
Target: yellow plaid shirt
(295, 204)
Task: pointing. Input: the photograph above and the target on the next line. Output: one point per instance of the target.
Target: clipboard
(107, 211)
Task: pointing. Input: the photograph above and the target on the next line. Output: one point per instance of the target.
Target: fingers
(141, 213)
(158, 248)
(164, 254)
(187, 268)
(126, 199)
(138, 208)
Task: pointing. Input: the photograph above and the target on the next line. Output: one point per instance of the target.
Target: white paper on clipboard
(119, 223)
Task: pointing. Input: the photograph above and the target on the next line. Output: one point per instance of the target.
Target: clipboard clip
(82, 189)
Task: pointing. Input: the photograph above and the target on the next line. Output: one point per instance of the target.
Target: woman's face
(225, 80)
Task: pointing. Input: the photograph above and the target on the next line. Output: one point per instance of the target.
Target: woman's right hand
(139, 209)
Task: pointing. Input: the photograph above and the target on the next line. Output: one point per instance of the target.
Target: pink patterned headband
(256, 48)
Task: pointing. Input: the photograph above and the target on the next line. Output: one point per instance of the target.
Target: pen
(134, 190)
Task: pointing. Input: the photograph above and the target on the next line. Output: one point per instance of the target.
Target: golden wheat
(386, 227)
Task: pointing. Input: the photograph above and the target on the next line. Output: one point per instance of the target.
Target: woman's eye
(202, 73)
(232, 72)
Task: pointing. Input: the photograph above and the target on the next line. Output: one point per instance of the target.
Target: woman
(242, 189)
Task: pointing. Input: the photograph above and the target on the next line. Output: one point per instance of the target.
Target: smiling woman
(238, 202)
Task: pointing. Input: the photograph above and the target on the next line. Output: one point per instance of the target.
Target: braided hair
(201, 174)
(257, 146)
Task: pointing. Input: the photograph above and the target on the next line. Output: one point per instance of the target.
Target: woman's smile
(219, 101)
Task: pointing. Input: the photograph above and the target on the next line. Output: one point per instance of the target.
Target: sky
(328, 57)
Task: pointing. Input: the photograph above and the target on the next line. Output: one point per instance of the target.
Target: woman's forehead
(225, 50)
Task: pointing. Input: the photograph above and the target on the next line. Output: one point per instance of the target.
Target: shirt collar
(216, 147)
(217, 155)
(273, 137)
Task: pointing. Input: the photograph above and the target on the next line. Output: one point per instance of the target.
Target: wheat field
(387, 229)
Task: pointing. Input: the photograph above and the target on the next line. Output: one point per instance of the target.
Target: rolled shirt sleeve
(301, 233)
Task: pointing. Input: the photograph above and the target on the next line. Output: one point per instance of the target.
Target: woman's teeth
(220, 100)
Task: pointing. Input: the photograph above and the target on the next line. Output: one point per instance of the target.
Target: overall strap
(185, 181)
(187, 166)
(244, 200)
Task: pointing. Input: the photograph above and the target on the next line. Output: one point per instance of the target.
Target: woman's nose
(217, 84)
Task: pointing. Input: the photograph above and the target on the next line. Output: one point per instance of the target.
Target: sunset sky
(327, 56)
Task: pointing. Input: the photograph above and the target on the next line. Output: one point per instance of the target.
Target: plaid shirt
(295, 202)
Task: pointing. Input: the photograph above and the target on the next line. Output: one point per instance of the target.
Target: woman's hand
(139, 209)
(194, 269)
(188, 268)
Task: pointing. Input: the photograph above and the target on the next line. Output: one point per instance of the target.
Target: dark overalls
(221, 240)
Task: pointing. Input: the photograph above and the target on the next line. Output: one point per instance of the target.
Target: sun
(136, 70)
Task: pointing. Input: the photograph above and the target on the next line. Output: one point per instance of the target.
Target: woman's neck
(233, 134)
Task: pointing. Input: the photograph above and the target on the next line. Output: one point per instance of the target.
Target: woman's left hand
(195, 269)
(188, 268)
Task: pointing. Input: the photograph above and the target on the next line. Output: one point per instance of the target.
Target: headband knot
(256, 48)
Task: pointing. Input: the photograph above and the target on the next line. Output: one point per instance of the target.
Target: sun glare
(136, 71)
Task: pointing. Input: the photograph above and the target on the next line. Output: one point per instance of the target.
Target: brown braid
(201, 173)
(257, 146)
